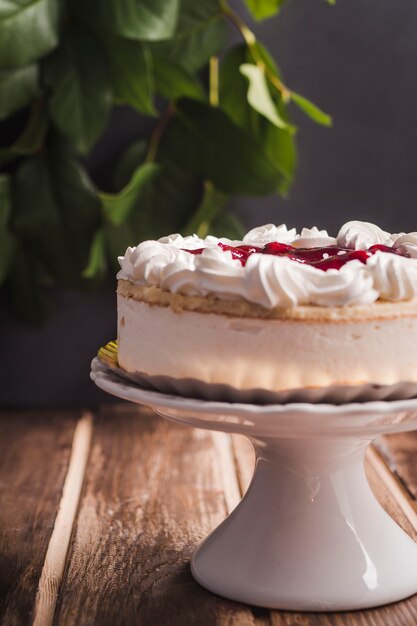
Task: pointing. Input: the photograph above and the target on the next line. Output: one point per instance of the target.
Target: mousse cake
(279, 310)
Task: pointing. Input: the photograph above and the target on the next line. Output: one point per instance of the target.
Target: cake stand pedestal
(309, 534)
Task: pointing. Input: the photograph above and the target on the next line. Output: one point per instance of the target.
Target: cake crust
(379, 310)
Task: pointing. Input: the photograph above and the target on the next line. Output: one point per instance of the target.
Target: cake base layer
(272, 354)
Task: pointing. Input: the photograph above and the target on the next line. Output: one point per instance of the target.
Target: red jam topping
(324, 258)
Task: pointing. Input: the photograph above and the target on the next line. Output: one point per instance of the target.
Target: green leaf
(173, 82)
(81, 98)
(7, 248)
(266, 57)
(77, 204)
(25, 287)
(31, 138)
(133, 156)
(224, 153)
(7, 240)
(262, 9)
(28, 30)
(132, 74)
(228, 225)
(278, 144)
(311, 110)
(259, 96)
(118, 238)
(208, 210)
(33, 134)
(118, 206)
(144, 20)
(233, 89)
(166, 200)
(5, 200)
(97, 263)
(201, 33)
(17, 89)
(56, 212)
(280, 147)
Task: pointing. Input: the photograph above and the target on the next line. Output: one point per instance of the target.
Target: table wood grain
(34, 454)
(151, 491)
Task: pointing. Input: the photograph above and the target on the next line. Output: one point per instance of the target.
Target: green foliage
(130, 159)
(17, 89)
(27, 286)
(117, 207)
(28, 30)
(201, 33)
(277, 142)
(262, 9)
(240, 166)
(132, 74)
(219, 129)
(147, 20)
(310, 109)
(164, 201)
(173, 81)
(31, 137)
(7, 240)
(56, 212)
(97, 261)
(81, 95)
(259, 96)
(207, 212)
(227, 225)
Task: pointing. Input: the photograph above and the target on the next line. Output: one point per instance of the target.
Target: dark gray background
(358, 61)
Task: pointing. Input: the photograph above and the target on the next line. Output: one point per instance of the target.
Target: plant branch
(214, 81)
(158, 132)
(211, 204)
(250, 39)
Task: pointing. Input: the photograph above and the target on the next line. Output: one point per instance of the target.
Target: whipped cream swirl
(274, 284)
(212, 272)
(394, 277)
(274, 281)
(362, 235)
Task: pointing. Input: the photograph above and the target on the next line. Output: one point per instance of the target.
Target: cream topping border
(277, 282)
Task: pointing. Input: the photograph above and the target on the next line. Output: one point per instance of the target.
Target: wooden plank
(53, 567)
(153, 491)
(390, 491)
(34, 453)
(224, 451)
(401, 452)
(400, 614)
(245, 460)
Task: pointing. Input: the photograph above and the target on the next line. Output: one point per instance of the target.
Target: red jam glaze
(240, 252)
(324, 258)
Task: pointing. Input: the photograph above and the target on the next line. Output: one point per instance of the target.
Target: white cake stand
(309, 534)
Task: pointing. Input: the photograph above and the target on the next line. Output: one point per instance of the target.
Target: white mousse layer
(264, 354)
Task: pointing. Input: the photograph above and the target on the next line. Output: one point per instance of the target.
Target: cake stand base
(309, 534)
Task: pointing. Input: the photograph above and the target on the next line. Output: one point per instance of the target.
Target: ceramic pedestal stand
(309, 534)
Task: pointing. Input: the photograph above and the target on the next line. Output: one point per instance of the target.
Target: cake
(277, 311)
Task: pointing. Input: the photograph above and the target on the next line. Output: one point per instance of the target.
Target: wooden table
(101, 511)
